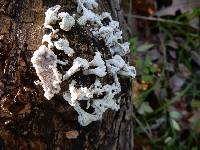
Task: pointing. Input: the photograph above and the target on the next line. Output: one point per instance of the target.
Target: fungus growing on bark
(98, 95)
(45, 63)
(63, 44)
(67, 21)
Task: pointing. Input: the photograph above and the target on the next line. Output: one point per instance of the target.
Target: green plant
(160, 120)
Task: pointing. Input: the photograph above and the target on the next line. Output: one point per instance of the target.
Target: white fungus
(47, 38)
(100, 69)
(67, 21)
(51, 16)
(118, 65)
(62, 62)
(77, 64)
(63, 44)
(90, 16)
(100, 97)
(89, 4)
(45, 63)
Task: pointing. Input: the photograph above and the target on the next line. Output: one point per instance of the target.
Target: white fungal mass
(100, 97)
(45, 63)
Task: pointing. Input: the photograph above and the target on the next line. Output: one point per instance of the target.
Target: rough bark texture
(27, 119)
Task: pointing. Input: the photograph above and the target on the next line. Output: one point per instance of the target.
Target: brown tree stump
(27, 119)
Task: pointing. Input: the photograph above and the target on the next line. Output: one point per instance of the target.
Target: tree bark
(27, 119)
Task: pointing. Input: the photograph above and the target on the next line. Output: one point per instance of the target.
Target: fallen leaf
(182, 108)
(145, 108)
(168, 140)
(195, 57)
(175, 125)
(184, 71)
(195, 23)
(176, 82)
(154, 54)
(182, 5)
(170, 67)
(145, 47)
(172, 44)
(175, 115)
(172, 53)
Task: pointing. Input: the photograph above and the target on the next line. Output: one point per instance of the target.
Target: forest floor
(165, 49)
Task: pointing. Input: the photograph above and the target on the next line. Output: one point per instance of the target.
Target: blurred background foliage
(165, 49)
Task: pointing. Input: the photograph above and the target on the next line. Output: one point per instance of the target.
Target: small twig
(157, 19)
(152, 18)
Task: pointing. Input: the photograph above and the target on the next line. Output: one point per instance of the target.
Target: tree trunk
(27, 120)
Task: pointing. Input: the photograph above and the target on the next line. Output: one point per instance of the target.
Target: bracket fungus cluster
(58, 60)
